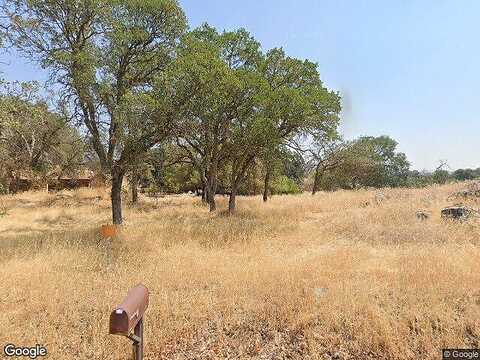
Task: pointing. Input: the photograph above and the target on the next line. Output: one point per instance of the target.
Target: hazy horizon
(404, 69)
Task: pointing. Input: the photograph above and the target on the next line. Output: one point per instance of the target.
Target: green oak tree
(211, 86)
(366, 162)
(103, 55)
(297, 103)
(35, 141)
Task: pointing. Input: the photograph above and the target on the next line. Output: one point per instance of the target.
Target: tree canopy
(34, 140)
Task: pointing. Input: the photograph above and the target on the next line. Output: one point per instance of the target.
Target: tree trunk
(266, 185)
(203, 181)
(211, 200)
(204, 192)
(134, 188)
(316, 181)
(232, 199)
(116, 196)
(211, 189)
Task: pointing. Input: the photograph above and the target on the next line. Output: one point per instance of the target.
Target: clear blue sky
(405, 68)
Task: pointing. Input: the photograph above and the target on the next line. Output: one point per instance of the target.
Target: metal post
(138, 345)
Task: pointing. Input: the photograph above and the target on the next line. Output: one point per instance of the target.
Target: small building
(83, 180)
(53, 182)
(20, 184)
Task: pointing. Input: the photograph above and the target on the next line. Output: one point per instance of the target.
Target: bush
(3, 188)
(285, 185)
(3, 208)
(153, 189)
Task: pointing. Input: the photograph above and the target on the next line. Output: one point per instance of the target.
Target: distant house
(20, 184)
(70, 183)
(53, 182)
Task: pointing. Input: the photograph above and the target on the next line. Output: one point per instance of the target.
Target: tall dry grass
(333, 276)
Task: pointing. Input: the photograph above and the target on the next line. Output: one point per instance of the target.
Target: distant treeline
(441, 176)
(41, 144)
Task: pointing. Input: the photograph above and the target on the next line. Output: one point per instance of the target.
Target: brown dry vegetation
(301, 277)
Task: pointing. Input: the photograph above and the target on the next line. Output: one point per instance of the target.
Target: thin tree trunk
(116, 196)
(211, 200)
(316, 181)
(211, 189)
(266, 185)
(13, 186)
(232, 199)
(134, 188)
(204, 190)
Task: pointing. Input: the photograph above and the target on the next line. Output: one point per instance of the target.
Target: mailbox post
(127, 318)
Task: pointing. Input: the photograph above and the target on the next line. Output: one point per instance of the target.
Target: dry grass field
(331, 276)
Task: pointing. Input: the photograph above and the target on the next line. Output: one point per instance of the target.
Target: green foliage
(296, 100)
(418, 179)
(153, 189)
(293, 166)
(285, 185)
(236, 106)
(440, 176)
(104, 56)
(90, 43)
(3, 187)
(163, 171)
(367, 162)
(179, 178)
(387, 167)
(33, 139)
(466, 174)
